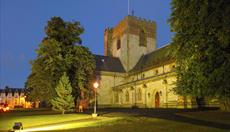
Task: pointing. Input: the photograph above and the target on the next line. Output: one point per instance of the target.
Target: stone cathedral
(133, 72)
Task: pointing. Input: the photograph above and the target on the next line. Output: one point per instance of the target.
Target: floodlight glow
(72, 125)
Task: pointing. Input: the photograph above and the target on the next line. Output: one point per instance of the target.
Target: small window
(173, 67)
(156, 72)
(132, 88)
(143, 76)
(164, 81)
(142, 38)
(118, 44)
(132, 78)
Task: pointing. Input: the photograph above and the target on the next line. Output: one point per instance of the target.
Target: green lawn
(38, 120)
(49, 119)
(44, 120)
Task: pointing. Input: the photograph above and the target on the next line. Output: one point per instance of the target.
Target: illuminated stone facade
(133, 72)
(127, 33)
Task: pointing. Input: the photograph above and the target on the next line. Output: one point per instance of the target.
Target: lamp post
(95, 85)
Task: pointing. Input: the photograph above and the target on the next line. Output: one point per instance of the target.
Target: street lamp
(95, 85)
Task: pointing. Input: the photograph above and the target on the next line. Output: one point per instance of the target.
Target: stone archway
(157, 100)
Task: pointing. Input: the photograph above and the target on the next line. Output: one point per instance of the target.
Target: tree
(64, 101)
(202, 48)
(60, 52)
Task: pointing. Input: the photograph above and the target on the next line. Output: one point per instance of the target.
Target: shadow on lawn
(167, 114)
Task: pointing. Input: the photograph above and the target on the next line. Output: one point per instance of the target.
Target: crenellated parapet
(133, 25)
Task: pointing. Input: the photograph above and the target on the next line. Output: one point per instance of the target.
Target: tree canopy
(60, 51)
(202, 48)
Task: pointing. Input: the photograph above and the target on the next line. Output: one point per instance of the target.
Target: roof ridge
(158, 49)
(105, 56)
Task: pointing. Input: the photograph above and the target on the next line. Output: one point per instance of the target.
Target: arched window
(118, 44)
(142, 38)
(127, 96)
(139, 95)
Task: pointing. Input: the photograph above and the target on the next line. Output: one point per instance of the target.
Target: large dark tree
(60, 51)
(202, 48)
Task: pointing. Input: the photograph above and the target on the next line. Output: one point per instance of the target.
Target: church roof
(107, 63)
(155, 58)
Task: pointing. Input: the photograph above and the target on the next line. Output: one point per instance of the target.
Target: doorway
(157, 100)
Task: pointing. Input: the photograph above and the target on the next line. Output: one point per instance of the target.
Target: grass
(144, 124)
(49, 119)
(37, 120)
(216, 116)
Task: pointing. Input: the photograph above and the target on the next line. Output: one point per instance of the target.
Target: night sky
(23, 21)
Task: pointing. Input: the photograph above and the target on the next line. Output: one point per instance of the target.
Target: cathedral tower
(131, 38)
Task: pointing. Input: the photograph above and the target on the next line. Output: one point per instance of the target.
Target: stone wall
(106, 83)
(141, 90)
(108, 41)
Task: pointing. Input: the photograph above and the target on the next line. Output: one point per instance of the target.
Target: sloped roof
(12, 90)
(106, 63)
(155, 58)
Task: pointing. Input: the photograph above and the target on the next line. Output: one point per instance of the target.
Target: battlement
(140, 19)
(133, 25)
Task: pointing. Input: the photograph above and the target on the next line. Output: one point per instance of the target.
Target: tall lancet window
(142, 38)
(127, 96)
(118, 44)
(139, 95)
(116, 96)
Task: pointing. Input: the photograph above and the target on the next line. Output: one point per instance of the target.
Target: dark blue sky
(23, 21)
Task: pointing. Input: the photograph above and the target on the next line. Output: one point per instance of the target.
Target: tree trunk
(63, 112)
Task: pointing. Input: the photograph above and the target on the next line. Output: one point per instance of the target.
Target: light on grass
(57, 127)
(53, 127)
(72, 125)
